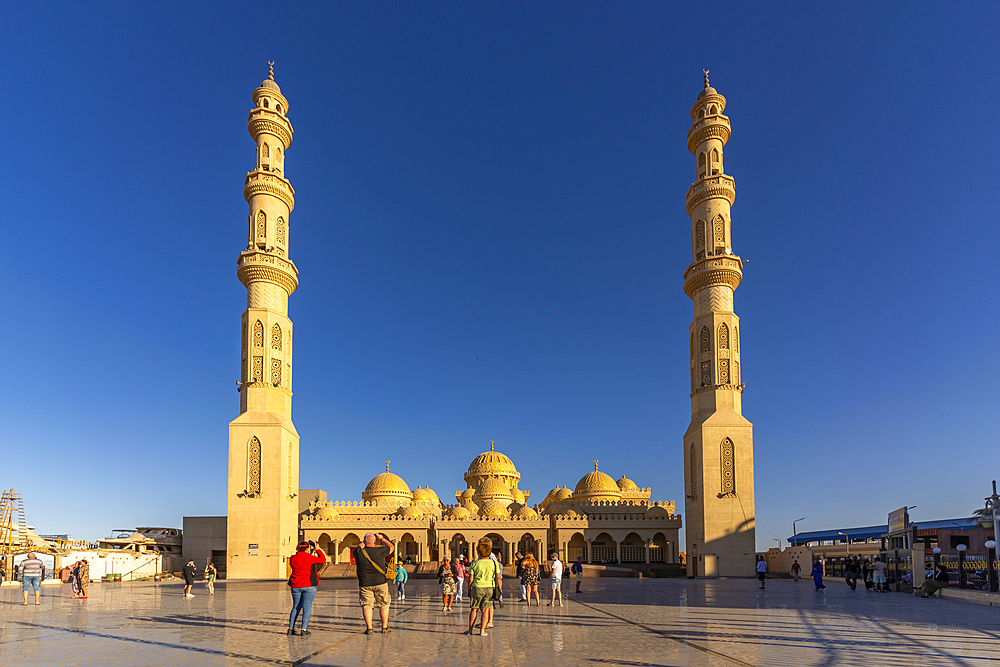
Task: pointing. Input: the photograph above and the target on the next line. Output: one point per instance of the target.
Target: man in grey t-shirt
(32, 570)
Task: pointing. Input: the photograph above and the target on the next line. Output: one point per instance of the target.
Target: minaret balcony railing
(712, 271)
(270, 121)
(710, 187)
(259, 181)
(713, 127)
(258, 266)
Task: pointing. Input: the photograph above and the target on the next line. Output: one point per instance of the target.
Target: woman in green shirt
(485, 577)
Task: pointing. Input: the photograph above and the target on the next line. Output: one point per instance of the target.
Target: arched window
(728, 467)
(275, 371)
(693, 474)
(701, 164)
(277, 152)
(276, 338)
(706, 340)
(266, 103)
(277, 107)
(711, 110)
(265, 152)
(724, 371)
(706, 373)
(700, 234)
(253, 467)
(258, 334)
(280, 233)
(261, 225)
(720, 231)
(723, 336)
(715, 155)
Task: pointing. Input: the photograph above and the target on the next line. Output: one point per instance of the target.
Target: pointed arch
(265, 152)
(258, 334)
(699, 236)
(253, 467)
(261, 224)
(276, 337)
(706, 340)
(728, 456)
(723, 336)
(712, 110)
(719, 225)
(715, 155)
(693, 473)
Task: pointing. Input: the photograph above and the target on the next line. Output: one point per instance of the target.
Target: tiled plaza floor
(664, 622)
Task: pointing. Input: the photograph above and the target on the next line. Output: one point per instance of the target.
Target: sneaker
(369, 631)
(304, 633)
(189, 596)
(386, 631)
(291, 631)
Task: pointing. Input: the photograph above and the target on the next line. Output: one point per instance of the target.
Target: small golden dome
(465, 496)
(519, 496)
(459, 513)
(410, 512)
(597, 485)
(625, 484)
(494, 508)
(387, 488)
(571, 514)
(563, 494)
(425, 496)
(526, 513)
(472, 507)
(657, 512)
(327, 513)
(492, 488)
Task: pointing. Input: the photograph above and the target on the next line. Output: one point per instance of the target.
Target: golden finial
(270, 73)
(706, 77)
(595, 465)
(387, 466)
(491, 445)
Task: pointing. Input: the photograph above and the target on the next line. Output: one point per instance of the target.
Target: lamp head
(961, 547)
(991, 544)
(936, 550)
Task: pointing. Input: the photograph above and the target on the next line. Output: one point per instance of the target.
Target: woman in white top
(556, 568)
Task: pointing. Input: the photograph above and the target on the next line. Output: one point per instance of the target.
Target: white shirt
(557, 569)
(762, 566)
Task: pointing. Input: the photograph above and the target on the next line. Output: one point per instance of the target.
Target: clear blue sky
(491, 235)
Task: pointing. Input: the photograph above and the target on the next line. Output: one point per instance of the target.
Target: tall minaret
(718, 445)
(263, 442)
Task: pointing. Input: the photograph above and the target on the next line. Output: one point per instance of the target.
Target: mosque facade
(601, 519)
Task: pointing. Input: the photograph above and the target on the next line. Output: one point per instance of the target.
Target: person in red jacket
(303, 582)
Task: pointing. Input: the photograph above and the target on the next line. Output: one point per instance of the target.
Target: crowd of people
(874, 573)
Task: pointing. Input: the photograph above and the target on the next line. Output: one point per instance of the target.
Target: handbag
(389, 571)
(497, 592)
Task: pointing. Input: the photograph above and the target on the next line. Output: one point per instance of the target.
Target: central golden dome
(492, 488)
(492, 464)
(597, 485)
(387, 489)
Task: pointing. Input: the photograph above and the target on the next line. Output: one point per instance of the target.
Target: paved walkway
(664, 622)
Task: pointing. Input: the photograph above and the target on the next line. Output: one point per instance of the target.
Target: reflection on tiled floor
(621, 622)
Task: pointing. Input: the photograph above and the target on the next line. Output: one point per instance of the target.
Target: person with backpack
(373, 579)
(577, 569)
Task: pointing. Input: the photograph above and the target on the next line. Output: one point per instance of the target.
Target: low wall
(981, 597)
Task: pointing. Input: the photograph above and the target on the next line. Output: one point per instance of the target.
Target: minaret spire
(263, 443)
(718, 445)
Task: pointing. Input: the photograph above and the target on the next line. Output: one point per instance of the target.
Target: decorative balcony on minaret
(718, 445)
(263, 443)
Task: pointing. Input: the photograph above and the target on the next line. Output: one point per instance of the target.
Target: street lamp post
(848, 539)
(961, 566)
(795, 535)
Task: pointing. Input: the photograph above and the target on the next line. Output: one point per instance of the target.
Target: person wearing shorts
(556, 570)
(373, 587)
(485, 577)
(32, 570)
(879, 572)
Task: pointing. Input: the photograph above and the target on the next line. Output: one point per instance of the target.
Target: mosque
(601, 519)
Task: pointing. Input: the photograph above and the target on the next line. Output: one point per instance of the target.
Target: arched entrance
(603, 549)
(347, 546)
(459, 546)
(577, 547)
(633, 549)
(527, 545)
(407, 549)
(499, 547)
(659, 550)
